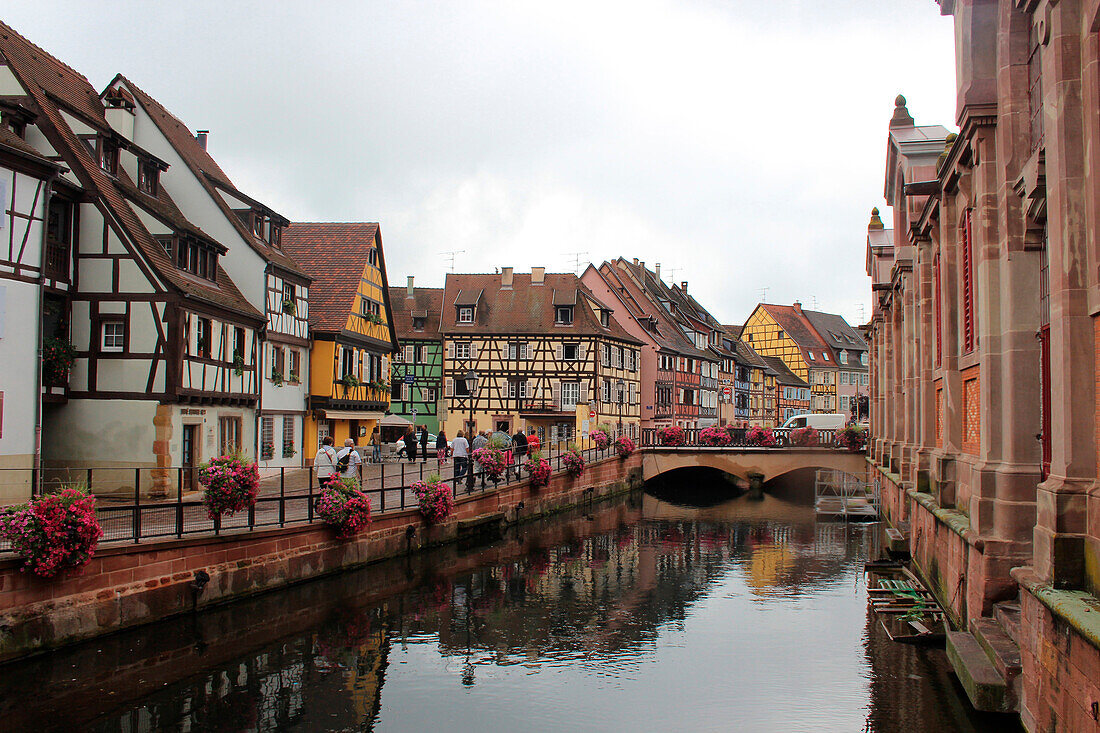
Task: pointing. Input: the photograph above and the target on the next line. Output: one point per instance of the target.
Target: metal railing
(738, 439)
(287, 497)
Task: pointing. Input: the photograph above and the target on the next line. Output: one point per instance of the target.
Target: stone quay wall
(126, 586)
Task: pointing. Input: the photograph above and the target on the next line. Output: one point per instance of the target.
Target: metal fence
(739, 438)
(287, 496)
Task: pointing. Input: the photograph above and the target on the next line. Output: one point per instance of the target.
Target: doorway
(190, 445)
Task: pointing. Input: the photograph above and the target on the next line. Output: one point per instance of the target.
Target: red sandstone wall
(128, 585)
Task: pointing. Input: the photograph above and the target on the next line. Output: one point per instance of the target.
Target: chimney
(684, 286)
(506, 278)
(641, 264)
(798, 307)
(635, 261)
(200, 137)
(538, 275)
(657, 271)
(409, 290)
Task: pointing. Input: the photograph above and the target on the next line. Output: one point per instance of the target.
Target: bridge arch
(746, 463)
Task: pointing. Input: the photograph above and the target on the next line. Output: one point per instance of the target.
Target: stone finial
(901, 117)
(876, 222)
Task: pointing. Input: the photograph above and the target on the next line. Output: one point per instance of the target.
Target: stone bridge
(755, 465)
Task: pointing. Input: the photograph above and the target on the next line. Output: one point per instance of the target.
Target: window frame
(118, 348)
(465, 314)
(148, 177)
(563, 315)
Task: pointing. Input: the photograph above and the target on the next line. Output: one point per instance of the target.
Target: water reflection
(742, 615)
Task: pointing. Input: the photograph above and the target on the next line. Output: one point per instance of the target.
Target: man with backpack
(325, 462)
(348, 462)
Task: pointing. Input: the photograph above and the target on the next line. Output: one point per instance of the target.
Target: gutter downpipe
(36, 478)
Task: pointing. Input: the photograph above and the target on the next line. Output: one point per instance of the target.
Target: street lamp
(620, 386)
(471, 388)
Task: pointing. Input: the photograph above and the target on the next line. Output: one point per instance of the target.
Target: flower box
(54, 532)
(435, 499)
(344, 506)
(230, 485)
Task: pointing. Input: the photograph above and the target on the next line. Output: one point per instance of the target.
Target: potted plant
(57, 358)
(288, 306)
(350, 381)
(267, 451)
(277, 377)
(344, 506)
(853, 438)
(434, 497)
(624, 446)
(230, 485)
(289, 451)
(673, 435)
(600, 437)
(714, 437)
(762, 437)
(573, 460)
(804, 437)
(54, 532)
(491, 459)
(539, 468)
(238, 363)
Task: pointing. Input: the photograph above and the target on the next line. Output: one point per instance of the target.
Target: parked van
(819, 421)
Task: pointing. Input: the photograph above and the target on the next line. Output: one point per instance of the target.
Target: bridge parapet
(745, 462)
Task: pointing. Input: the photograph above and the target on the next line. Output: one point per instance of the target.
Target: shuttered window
(968, 283)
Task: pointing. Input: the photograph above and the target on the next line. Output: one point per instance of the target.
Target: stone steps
(984, 685)
(1001, 650)
(1007, 614)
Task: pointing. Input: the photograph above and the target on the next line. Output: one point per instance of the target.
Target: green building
(417, 368)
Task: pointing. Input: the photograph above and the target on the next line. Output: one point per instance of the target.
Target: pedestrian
(461, 452)
(441, 447)
(410, 445)
(533, 442)
(519, 448)
(480, 441)
(375, 446)
(424, 443)
(348, 462)
(325, 462)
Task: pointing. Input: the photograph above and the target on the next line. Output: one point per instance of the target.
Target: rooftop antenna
(764, 295)
(577, 258)
(815, 301)
(451, 256)
(860, 306)
(672, 273)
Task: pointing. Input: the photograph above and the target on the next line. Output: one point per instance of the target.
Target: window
(288, 436)
(825, 355)
(229, 435)
(289, 304)
(863, 358)
(238, 344)
(844, 377)
(418, 324)
(466, 314)
(936, 316)
(462, 350)
(968, 284)
(517, 389)
(517, 351)
(196, 258)
(397, 389)
(780, 334)
(148, 177)
(372, 256)
(349, 361)
(429, 394)
(605, 392)
(203, 338)
(461, 390)
(275, 235)
(570, 395)
(258, 224)
(422, 354)
(369, 308)
(267, 438)
(563, 314)
(295, 375)
(811, 355)
(114, 337)
(605, 318)
(570, 352)
(277, 372)
(1035, 86)
(843, 356)
(108, 155)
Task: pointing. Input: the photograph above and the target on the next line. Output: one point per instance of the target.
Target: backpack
(343, 461)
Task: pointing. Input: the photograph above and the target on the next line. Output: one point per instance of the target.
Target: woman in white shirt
(325, 462)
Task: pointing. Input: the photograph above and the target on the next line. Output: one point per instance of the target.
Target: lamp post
(620, 386)
(470, 379)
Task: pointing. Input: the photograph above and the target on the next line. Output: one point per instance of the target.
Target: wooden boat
(913, 631)
(909, 612)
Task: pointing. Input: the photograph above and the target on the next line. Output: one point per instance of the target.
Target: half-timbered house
(151, 315)
(792, 392)
(672, 363)
(27, 277)
(252, 234)
(352, 327)
(784, 331)
(547, 353)
(416, 385)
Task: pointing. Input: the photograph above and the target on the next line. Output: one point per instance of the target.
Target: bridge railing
(738, 438)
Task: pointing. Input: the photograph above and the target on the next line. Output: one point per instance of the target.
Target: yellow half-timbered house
(350, 320)
(784, 331)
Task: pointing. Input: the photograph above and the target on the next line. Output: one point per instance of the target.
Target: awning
(395, 421)
(350, 415)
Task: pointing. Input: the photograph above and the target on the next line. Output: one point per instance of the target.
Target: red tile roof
(334, 255)
(428, 301)
(799, 330)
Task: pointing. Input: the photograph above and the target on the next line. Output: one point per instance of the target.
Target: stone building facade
(986, 336)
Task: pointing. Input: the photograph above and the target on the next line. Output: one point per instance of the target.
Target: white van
(819, 421)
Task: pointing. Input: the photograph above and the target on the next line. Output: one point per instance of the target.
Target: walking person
(348, 462)
(533, 442)
(480, 441)
(441, 447)
(410, 445)
(461, 451)
(375, 446)
(424, 443)
(325, 462)
(519, 448)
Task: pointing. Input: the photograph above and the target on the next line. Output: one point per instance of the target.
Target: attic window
(825, 355)
(372, 256)
(605, 318)
(274, 235)
(780, 333)
(811, 355)
(16, 124)
(197, 258)
(563, 315)
(148, 177)
(418, 324)
(108, 155)
(465, 314)
(258, 224)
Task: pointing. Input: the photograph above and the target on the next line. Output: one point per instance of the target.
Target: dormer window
(811, 355)
(843, 357)
(197, 258)
(274, 235)
(605, 318)
(418, 324)
(148, 177)
(563, 315)
(108, 155)
(465, 314)
(258, 224)
(825, 355)
(15, 123)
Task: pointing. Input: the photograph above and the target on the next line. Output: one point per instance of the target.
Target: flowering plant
(804, 437)
(344, 505)
(600, 437)
(53, 532)
(625, 446)
(434, 496)
(573, 460)
(672, 435)
(714, 436)
(57, 357)
(539, 469)
(491, 459)
(853, 438)
(230, 484)
(763, 437)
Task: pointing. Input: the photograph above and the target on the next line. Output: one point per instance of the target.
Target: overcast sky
(740, 142)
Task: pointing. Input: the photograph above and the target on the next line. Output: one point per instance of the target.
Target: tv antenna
(451, 256)
(861, 318)
(577, 258)
(815, 301)
(764, 294)
(672, 273)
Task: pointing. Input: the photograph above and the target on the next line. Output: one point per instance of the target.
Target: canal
(641, 613)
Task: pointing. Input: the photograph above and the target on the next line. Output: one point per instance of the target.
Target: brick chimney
(657, 270)
(409, 290)
(200, 137)
(506, 278)
(538, 275)
(635, 261)
(797, 307)
(684, 286)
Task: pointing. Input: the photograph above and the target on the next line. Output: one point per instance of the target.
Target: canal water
(698, 610)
